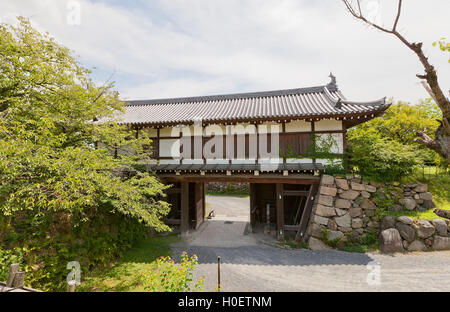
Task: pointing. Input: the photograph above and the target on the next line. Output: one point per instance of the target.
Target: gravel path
(250, 264)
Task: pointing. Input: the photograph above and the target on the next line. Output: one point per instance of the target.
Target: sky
(175, 48)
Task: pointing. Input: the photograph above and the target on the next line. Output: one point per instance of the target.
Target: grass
(438, 186)
(122, 275)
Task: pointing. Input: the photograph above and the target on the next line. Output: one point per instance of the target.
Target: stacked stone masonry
(346, 209)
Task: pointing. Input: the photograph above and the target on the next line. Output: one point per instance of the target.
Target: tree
(55, 157)
(441, 142)
(400, 123)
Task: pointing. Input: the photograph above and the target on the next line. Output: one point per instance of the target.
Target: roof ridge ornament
(332, 83)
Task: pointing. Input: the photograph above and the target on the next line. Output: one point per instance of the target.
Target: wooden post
(198, 204)
(280, 210)
(71, 286)
(184, 208)
(12, 272)
(252, 206)
(19, 278)
(218, 274)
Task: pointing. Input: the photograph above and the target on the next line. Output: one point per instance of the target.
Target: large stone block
(441, 243)
(340, 212)
(358, 186)
(325, 211)
(426, 196)
(320, 220)
(370, 188)
(368, 204)
(330, 191)
(441, 227)
(417, 246)
(406, 232)
(335, 235)
(357, 223)
(344, 221)
(405, 220)
(391, 241)
(408, 202)
(426, 229)
(325, 200)
(317, 244)
(355, 212)
(342, 203)
(327, 180)
(421, 188)
(342, 183)
(315, 230)
(350, 194)
(388, 222)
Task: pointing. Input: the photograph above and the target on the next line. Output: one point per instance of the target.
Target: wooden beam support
(184, 208)
(280, 211)
(252, 187)
(306, 213)
(198, 204)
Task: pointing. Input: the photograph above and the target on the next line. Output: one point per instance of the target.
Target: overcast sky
(171, 48)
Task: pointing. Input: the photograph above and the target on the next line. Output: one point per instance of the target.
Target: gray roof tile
(303, 102)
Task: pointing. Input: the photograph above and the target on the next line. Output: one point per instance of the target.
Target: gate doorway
(279, 209)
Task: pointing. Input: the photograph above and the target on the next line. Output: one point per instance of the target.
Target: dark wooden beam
(280, 211)
(292, 178)
(306, 213)
(252, 206)
(198, 204)
(184, 208)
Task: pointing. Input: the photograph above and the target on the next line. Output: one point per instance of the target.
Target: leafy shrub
(168, 276)
(52, 240)
(8, 257)
(380, 158)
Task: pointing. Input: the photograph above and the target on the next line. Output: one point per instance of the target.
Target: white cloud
(189, 47)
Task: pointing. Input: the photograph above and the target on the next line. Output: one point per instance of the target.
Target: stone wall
(348, 209)
(405, 234)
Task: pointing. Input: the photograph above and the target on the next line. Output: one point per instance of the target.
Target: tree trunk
(442, 213)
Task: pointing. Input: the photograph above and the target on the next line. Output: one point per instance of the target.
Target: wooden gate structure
(267, 139)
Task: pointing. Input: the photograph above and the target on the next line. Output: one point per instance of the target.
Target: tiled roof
(318, 101)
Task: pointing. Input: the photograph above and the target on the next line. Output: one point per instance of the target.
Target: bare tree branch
(430, 76)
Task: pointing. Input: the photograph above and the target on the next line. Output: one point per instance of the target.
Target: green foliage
(332, 243)
(8, 257)
(380, 158)
(443, 45)
(365, 243)
(50, 155)
(230, 190)
(400, 123)
(168, 276)
(63, 194)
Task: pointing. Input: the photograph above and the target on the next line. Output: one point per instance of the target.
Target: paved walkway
(249, 264)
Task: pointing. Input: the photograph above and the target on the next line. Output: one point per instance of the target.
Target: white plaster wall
(169, 132)
(169, 148)
(298, 126)
(270, 127)
(327, 124)
(245, 128)
(215, 130)
(338, 146)
(192, 130)
(299, 160)
(149, 132)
